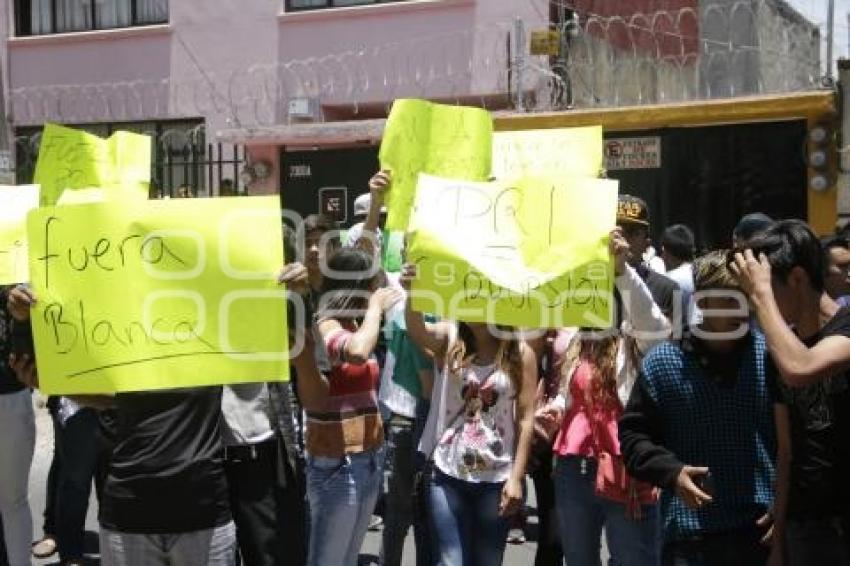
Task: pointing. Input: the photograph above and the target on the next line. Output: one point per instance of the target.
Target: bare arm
(798, 364)
(525, 412)
(313, 387)
(362, 342)
(512, 492)
(378, 185)
(433, 339)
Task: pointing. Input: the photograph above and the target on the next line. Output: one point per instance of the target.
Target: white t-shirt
(475, 424)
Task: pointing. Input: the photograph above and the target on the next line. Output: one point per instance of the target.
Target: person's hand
(619, 249)
(294, 276)
(20, 300)
(511, 501)
(25, 369)
(765, 523)
(384, 298)
(379, 184)
(687, 490)
(547, 421)
(753, 274)
(409, 271)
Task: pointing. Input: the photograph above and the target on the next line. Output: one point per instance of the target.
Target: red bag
(614, 483)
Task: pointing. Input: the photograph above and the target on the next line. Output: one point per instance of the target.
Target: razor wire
(715, 50)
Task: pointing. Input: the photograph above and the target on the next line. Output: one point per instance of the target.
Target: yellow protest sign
(158, 294)
(73, 159)
(532, 253)
(572, 152)
(15, 202)
(422, 137)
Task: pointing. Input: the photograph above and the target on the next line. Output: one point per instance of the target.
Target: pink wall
(237, 64)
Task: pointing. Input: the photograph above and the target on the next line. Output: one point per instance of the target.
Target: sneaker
(516, 536)
(376, 523)
(44, 548)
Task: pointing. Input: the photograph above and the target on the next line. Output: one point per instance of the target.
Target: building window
(42, 17)
(182, 160)
(298, 5)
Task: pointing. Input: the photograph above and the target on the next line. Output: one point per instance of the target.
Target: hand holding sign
(157, 295)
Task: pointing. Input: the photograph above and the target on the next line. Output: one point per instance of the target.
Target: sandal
(44, 548)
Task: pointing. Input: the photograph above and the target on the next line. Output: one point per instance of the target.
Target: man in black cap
(750, 226)
(633, 218)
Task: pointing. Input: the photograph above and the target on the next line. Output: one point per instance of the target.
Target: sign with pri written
(533, 253)
(157, 294)
(632, 153)
(422, 137)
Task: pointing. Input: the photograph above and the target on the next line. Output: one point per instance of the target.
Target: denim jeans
(210, 547)
(398, 514)
(582, 514)
(17, 445)
(342, 493)
(465, 522)
(77, 446)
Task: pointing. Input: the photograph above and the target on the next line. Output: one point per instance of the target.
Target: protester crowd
(706, 427)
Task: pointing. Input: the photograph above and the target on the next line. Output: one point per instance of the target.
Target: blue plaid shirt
(727, 426)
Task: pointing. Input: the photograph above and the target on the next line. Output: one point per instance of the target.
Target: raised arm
(643, 317)
(798, 364)
(379, 184)
(432, 339)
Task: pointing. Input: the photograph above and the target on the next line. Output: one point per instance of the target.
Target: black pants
(727, 549)
(268, 505)
(77, 446)
(549, 551)
(821, 542)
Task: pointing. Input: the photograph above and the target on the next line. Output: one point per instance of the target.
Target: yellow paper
(422, 137)
(158, 294)
(564, 152)
(91, 195)
(73, 159)
(15, 203)
(533, 253)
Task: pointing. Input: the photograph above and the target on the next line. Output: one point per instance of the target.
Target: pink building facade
(190, 69)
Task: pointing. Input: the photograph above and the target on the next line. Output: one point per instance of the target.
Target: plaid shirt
(724, 424)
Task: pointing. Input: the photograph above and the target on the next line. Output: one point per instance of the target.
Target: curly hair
(508, 355)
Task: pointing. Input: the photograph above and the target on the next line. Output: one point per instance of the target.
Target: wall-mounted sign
(333, 203)
(632, 153)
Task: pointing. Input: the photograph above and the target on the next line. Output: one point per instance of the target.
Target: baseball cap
(632, 210)
(750, 225)
(362, 204)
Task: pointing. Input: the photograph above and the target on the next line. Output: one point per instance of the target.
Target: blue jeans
(582, 515)
(342, 493)
(465, 522)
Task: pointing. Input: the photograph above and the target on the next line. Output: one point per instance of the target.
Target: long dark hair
(348, 284)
